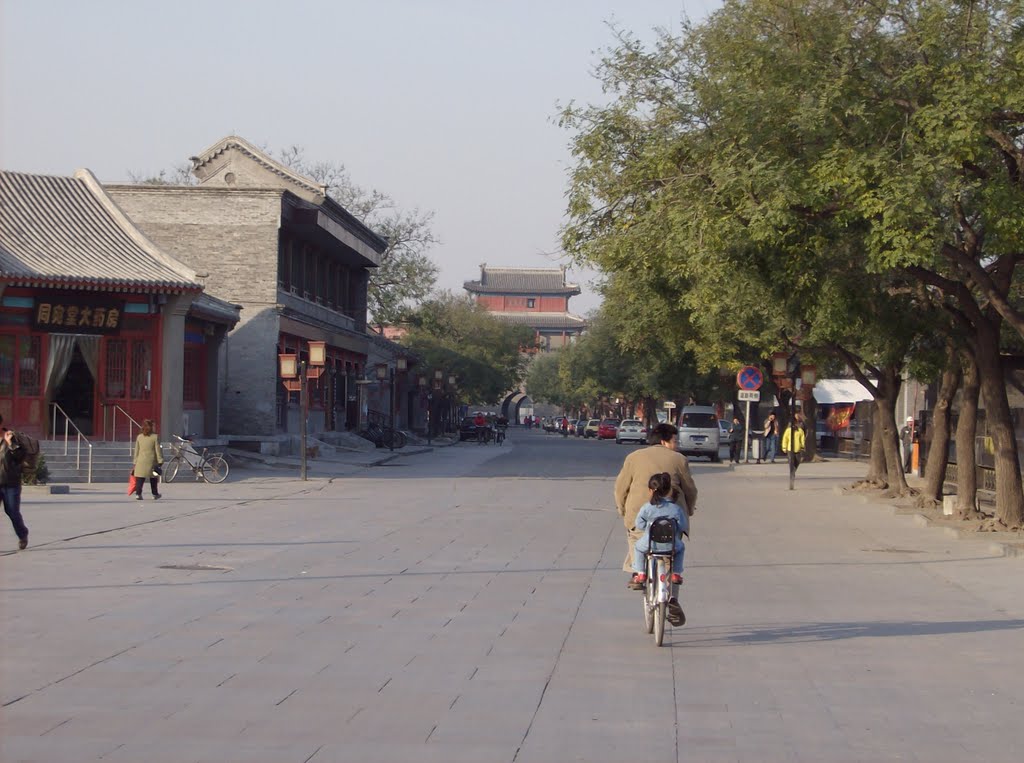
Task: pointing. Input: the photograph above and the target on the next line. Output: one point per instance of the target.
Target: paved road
(468, 605)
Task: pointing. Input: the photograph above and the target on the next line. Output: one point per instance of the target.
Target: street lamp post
(788, 372)
(438, 376)
(295, 376)
(424, 390)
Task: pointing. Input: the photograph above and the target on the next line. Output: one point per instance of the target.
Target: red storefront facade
(95, 322)
(52, 353)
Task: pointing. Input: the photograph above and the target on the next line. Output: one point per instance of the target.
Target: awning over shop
(831, 391)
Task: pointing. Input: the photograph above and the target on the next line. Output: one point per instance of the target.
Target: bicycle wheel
(171, 469)
(659, 622)
(389, 439)
(215, 469)
(400, 439)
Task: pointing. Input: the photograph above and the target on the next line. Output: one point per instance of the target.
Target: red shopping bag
(131, 483)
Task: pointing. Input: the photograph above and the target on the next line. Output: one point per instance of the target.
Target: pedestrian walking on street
(771, 437)
(11, 457)
(907, 441)
(147, 460)
(631, 486)
(793, 443)
(736, 432)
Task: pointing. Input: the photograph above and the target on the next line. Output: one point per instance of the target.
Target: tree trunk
(811, 428)
(966, 430)
(876, 465)
(888, 391)
(1009, 492)
(938, 448)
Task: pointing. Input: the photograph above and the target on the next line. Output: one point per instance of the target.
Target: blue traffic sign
(749, 377)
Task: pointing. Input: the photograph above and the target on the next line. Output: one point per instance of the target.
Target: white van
(698, 432)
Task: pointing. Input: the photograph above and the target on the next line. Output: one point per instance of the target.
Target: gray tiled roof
(522, 281)
(542, 320)
(64, 231)
(216, 310)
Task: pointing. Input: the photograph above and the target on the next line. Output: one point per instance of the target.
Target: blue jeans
(771, 447)
(641, 550)
(11, 498)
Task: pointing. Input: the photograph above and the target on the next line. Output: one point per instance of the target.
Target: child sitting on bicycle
(660, 505)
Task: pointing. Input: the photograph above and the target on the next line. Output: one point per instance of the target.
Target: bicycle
(659, 590)
(499, 434)
(384, 437)
(483, 435)
(209, 467)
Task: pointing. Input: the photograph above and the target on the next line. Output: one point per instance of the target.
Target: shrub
(36, 475)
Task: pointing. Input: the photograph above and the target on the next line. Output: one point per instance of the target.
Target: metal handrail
(113, 424)
(68, 424)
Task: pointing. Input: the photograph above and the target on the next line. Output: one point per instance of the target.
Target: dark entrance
(76, 395)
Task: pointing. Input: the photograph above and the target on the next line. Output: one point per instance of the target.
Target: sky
(448, 106)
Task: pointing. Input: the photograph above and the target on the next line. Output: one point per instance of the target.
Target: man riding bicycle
(480, 422)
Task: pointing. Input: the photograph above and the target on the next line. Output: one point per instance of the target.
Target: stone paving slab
(478, 613)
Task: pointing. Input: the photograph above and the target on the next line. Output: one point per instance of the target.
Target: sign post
(749, 381)
(747, 396)
(669, 408)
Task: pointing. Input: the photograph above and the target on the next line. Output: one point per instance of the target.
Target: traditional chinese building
(271, 240)
(96, 321)
(534, 297)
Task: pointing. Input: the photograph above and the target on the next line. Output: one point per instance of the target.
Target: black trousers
(139, 482)
(734, 451)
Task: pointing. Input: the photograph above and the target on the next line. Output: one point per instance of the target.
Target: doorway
(77, 394)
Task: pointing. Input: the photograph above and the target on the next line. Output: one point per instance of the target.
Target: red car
(607, 429)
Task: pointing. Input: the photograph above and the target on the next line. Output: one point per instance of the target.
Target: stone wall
(230, 238)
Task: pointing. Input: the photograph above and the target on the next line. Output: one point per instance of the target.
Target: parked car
(590, 430)
(607, 429)
(548, 423)
(723, 429)
(699, 432)
(581, 426)
(631, 430)
(467, 429)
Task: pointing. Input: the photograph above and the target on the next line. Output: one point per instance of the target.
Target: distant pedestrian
(736, 431)
(11, 457)
(771, 437)
(794, 441)
(907, 441)
(147, 460)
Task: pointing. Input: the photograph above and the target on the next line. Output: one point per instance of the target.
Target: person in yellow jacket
(793, 439)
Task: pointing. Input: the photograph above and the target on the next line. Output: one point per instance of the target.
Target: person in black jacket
(11, 457)
(736, 432)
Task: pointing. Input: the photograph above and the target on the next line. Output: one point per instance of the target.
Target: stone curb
(1007, 548)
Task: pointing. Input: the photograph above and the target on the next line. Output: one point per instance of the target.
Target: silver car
(699, 434)
(631, 430)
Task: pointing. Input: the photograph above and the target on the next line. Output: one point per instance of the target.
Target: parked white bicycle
(209, 467)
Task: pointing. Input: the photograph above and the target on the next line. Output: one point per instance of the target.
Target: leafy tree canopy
(457, 335)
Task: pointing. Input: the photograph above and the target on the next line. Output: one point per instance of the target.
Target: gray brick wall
(232, 236)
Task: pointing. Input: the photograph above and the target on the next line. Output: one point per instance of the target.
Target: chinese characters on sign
(74, 316)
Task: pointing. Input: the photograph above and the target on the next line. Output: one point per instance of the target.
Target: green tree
(782, 143)
(485, 354)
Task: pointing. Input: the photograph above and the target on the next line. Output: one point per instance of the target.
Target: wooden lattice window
(6, 366)
(142, 370)
(28, 366)
(194, 374)
(117, 367)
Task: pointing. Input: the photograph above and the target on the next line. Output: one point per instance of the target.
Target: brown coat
(631, 491)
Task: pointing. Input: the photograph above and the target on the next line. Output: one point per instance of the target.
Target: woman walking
(147, 459)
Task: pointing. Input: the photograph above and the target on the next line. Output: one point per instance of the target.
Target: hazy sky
(446, 105)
